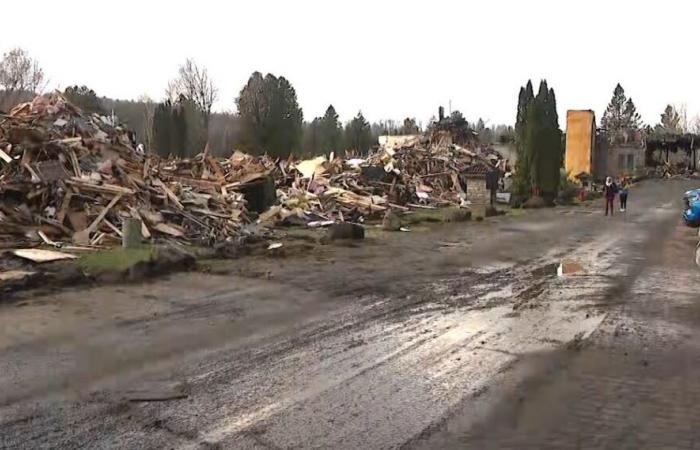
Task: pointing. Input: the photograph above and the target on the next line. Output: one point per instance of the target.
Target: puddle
(546, 270)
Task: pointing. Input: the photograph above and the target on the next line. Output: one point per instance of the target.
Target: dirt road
(461, 336)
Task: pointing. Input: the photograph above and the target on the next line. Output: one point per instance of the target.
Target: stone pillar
(131, 233)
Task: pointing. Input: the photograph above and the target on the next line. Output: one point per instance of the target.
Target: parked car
(691, 211)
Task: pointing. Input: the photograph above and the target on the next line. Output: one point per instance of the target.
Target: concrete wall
(624, 160)
(477, 192)
(580, 141)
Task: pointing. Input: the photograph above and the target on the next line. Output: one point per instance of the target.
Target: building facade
(598, 153)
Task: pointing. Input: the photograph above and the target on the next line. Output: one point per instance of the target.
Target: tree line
(269, 118)
(621, 116)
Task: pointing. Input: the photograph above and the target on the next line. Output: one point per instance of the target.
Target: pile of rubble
(68, 177)
(72, 179)
(410, 175)
(667, 170)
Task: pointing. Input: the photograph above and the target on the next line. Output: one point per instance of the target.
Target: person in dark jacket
(624, 191)
(610, 190)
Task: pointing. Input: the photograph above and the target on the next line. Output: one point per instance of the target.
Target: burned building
(619, 154)
(599, 153)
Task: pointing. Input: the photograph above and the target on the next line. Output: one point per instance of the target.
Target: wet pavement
(460, 336)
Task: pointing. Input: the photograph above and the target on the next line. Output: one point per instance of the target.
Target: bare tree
(194, 83)
(149, 110)
(19, 74)
(682, 112)
(695, 125)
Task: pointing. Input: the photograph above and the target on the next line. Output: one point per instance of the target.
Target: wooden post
(131, 233)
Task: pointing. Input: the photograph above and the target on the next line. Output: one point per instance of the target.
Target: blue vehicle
(691, 213)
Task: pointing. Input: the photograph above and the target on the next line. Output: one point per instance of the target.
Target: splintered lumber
(171, 195)
(83, 237)
(102, 188)
(169, 229)
(5, 157)
(46, 239)
(13, 275)
(65, 204)
(41, 256)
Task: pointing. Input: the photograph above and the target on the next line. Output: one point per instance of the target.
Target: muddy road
(458, 336)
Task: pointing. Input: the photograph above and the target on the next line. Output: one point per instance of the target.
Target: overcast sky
(391, 59)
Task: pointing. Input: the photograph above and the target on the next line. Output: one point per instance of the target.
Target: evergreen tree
(170, 129)
(331, 131)
(551, 149)
(358, 135)
(621, 113)
(540, 149)
(271, 119)
(522, 181)
(632, 118)
(162, 129)
(195, 124)
(524, 100)
(614, 116)
(84, 98)
(311, 141)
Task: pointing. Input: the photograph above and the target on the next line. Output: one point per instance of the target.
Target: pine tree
(614, 116)
(312, 137)
(632, 118)
(331, 132)
(358, 134)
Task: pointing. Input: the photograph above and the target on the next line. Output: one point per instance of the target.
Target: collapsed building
(71, 179)
(596, 153)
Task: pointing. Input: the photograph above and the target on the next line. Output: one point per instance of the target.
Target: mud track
(409, 340)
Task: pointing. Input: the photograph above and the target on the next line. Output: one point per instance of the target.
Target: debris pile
(410, 175)
(667, 170)
(66, 176)
(70, 178)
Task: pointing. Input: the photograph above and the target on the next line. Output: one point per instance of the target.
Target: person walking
(609, 190)
(624, 191)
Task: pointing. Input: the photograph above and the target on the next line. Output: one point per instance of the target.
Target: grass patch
(440, 215)
(515, 212)
(114, 259)
(423, 215)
